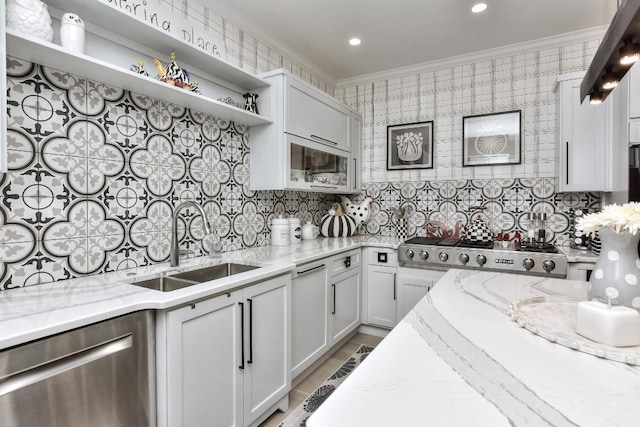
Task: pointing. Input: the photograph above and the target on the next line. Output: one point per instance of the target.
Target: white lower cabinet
(345, 313)
(227, 359)
(413, 285)
(310, 323)
(580, 270)
(326, 298)
(382, 296)
(380, 287)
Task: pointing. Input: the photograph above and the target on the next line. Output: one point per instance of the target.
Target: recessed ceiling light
(480, 7)
(355, 41)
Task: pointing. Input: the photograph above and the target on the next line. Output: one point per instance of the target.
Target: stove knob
(548, 265)
(443, 256)
(464, 258)
(481, 260)
(528, 263)
(409, 253)
(424, 254)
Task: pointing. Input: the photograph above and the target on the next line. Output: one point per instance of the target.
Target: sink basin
(213, 272)
(165, 284)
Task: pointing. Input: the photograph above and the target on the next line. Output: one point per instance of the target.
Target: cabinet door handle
(321, 139)
(309, 270)
(250, 360)
(355, 173)
(566, 159)
(334, 299)
(395, 275)
(334, 187)
(241, 335)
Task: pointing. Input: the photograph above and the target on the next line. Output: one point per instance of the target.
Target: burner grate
(534, 247)
(423, 241)
(473, 244)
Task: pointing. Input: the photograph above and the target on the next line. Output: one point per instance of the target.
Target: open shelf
(101, 14)
(51, 55)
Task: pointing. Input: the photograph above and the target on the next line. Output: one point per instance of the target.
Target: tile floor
(317, 377)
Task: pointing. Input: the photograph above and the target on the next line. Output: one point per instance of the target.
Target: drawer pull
(317, 267)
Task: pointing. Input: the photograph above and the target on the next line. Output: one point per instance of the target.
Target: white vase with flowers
(616, 274)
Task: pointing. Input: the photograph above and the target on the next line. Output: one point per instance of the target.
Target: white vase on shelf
(72, 35)
(30, 17)
(617, 271)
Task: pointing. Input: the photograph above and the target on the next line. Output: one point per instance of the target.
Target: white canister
(280, 231)
(295, 231)
(309, 231)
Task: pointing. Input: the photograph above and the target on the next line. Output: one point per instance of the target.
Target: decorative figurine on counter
(139, 68)
(30, 17)
(360, 213)
(175, 75)
(336, 223)
(251, 102)
(72, 33)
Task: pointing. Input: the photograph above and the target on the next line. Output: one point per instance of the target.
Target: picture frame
(410, 146)
(492, 139)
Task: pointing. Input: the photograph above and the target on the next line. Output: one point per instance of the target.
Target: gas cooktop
(444, 253)
(461, 243)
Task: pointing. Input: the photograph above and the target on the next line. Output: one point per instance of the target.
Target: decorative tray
(554, 318)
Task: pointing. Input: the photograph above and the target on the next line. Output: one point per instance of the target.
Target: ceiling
(404, 32)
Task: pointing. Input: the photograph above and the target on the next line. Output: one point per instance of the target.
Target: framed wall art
(491, 139)
(410, 146)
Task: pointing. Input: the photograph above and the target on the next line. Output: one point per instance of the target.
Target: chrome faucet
(174, 254)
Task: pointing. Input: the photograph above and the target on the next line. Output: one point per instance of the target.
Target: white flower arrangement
(617, 217)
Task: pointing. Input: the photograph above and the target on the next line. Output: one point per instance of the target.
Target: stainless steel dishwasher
(98, 375)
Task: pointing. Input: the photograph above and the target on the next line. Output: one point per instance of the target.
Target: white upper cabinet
(634, 92)
(356, 149)
(312, 144)
(312, 114)
(588, 144)
(633, 79)
(117, 37)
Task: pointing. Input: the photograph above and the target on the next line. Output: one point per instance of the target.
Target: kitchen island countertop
(34, 312)
(457, 359)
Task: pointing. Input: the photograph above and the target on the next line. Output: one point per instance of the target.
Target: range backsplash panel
(505, 202)
(96, 171)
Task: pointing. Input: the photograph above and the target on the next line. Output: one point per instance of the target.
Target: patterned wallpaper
(95, 172)
(446, 93)
(243, 49)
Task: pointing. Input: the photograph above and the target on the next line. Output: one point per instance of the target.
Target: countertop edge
(39, 311)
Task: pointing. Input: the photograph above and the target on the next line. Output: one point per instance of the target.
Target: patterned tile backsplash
(506, 201)
(96, 171)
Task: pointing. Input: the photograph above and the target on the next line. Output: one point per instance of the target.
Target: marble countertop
(35, 312)
(457, 359)
(578, 255)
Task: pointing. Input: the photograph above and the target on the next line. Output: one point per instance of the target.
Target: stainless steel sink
(189, 278)
(214, 272)
(165, 284)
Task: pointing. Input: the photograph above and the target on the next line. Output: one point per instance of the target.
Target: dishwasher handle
(55, 367)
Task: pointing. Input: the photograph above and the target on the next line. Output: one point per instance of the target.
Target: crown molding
(483, 55)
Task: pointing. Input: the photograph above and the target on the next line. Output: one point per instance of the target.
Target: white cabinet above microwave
(312, 114)
(311, 144)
